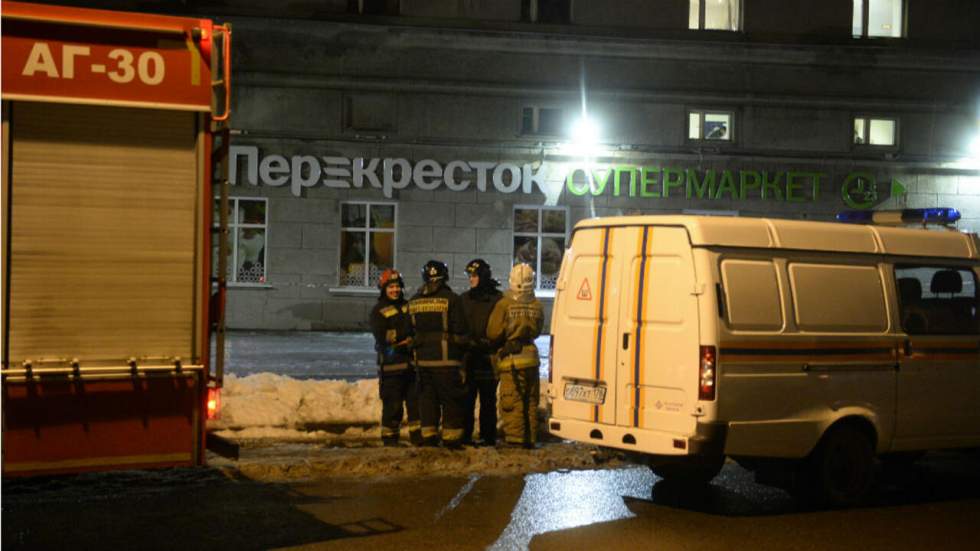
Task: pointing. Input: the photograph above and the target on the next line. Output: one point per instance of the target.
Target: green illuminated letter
(601, 180)
(570, 182)
(774, 185)
(648, 179)
(704, 189)
(727, 184)
(620, 170)
(673, 177)
(744, 185)
(794, 187)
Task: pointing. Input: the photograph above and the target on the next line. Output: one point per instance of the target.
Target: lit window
(540, 235)
(546, 121)
(716, 15)
(367, 242)
(247, 240)
(875, 131)
(710, 126)
(878, 18)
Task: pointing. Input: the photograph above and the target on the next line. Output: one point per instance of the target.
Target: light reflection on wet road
(931, 506)
(560, 500)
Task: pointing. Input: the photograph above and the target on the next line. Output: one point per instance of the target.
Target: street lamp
(584, 139)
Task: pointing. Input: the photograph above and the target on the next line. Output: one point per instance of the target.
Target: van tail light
(551, 356)
(214, 403)
(706, 373)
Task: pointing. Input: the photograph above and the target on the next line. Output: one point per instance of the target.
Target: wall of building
(448, 80)
(349, 90)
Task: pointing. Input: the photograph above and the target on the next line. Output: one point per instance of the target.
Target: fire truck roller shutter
(103, 232)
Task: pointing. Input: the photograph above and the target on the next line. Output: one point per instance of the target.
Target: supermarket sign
(858, 189)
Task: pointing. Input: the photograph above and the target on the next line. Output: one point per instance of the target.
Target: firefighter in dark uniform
(515, 322)
(392, 328)
(480, 379)
(440, 341)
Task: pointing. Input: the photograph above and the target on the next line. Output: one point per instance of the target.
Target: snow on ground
(300, 429)
(306, 405)
(267, 405)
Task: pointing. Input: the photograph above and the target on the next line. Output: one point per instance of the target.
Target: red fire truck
(114, 149)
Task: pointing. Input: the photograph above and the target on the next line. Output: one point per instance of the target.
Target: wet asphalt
(934, 505)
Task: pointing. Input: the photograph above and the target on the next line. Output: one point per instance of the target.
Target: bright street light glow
(584, 138)
(585, 131)
(975, 147)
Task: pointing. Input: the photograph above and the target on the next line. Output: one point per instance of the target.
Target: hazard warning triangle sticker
(584, 292)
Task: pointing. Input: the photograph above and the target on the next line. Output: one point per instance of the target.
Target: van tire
(841, 470)
(692, 471)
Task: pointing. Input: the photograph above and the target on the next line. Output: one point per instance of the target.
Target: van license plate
(585, 393)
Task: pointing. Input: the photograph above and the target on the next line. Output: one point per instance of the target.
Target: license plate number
(585, 393)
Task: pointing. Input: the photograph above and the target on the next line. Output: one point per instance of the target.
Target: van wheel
(690, 471)
(840, 472)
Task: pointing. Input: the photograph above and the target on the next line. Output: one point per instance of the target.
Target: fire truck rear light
(706, 374)
(214, 403)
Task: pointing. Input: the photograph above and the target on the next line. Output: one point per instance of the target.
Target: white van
(792, 347)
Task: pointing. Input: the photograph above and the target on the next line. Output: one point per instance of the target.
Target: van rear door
(586, 326)
(626, 331)
(659, 334)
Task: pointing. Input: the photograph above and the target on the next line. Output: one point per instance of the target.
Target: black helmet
(434, 270)
(480, 268)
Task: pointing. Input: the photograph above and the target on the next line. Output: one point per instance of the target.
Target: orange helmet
(390, 275)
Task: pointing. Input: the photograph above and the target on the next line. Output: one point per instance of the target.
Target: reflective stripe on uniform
(451, 434)
(394, 367)
(430, 432)
(388, 432)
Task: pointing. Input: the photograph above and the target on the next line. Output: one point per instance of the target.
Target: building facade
(380, 133)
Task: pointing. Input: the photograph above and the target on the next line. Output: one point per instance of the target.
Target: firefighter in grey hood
(516, 320)
(440, 342)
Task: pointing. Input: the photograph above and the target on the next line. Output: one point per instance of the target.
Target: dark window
(937, 300)
(546, 11)
(373, 7)
(547, 121)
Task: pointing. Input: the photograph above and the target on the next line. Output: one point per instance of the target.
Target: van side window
(937, 300)
(752, 295)
(838, 298)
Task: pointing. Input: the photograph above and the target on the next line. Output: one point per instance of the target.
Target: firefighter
(392, 328)
(516, 320)
(440, 341)
(481, 381)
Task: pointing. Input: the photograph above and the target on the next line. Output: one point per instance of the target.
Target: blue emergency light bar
(941, 215)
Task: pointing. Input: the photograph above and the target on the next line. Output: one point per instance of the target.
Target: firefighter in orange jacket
(516, 320)
(392, 328)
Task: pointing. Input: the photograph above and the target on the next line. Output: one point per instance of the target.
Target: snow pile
(266, 405)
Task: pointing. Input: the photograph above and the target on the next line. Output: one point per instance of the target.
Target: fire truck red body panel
(109, 139)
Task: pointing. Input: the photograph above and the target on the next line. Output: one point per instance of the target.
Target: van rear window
(752, 295)
(838, 298)
(937, 300)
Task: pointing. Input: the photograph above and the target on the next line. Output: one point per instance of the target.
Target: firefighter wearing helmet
(392, 328)
(481, 381)
(440, 342)
(515, 322)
